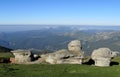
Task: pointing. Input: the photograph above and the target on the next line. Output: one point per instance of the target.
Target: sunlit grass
(58, 70)
(6, 55)
(62, 70)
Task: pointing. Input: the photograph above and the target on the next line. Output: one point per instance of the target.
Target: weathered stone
(115, 53)
(102, 62)
(55, 57)
(22, 56)
(75, 48)
(102, 56)
(71, 60)
(73, 55)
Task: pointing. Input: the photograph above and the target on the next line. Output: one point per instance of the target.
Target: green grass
(6, 55)
(58, 70)
(62, 70)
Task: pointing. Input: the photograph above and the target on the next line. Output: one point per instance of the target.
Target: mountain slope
(4, 49)
(55, 39)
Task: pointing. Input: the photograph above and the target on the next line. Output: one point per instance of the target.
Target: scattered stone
(22, 56)
(73, 55)
(102, 56)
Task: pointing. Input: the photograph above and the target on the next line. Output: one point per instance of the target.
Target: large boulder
(102, 56)
(56, 57)
(73, 55)
(22, 56)
(61, 57)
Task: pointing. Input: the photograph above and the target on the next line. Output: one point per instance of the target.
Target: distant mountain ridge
(58, 37)
(4, 49)
(15, 28)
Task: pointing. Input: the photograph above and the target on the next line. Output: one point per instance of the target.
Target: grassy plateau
(58, 70)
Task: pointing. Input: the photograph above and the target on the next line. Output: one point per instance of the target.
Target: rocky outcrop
(56, 57)
(73, 55)
(22, 56)
(102, 56)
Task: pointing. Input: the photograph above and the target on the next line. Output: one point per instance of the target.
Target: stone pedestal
(22, 56)
(102, 62)
(102, 56)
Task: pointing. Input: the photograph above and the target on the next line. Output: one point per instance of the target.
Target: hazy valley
(55, 38)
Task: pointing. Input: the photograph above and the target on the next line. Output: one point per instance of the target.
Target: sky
(60, 12)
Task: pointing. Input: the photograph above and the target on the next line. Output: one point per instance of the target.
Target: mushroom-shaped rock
(22, 56)
(102, 56)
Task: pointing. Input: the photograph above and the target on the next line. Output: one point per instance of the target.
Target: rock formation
(75, 48)
(22, 56)
(56, 57)
(73, 55)
(102, 56)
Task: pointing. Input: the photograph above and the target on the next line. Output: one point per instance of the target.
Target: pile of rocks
(72, 55)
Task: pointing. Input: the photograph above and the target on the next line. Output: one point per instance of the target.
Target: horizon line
(54, 25)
